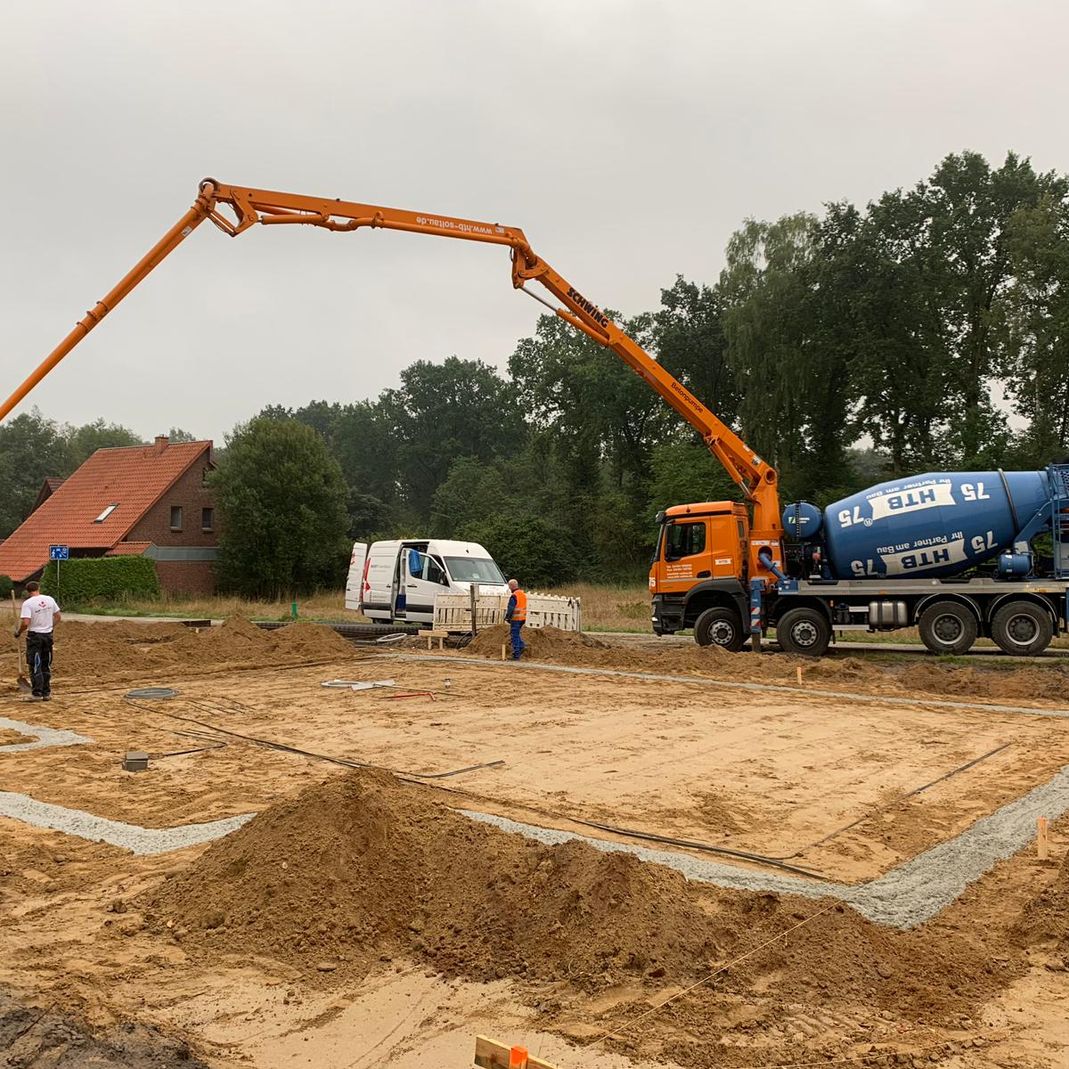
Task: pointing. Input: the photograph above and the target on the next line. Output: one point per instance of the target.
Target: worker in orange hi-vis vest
(516, 615)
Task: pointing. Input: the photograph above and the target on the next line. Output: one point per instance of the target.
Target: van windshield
(474, 570)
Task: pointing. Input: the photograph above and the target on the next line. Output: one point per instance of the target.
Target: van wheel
(947, 627)
(804, 632)
(1022, 628)
(719, 627)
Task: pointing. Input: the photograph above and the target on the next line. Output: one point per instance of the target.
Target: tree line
(927, 330)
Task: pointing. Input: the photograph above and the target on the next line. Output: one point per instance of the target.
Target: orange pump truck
(957, 554)
(722, 569)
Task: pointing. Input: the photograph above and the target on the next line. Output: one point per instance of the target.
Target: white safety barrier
(452, 611)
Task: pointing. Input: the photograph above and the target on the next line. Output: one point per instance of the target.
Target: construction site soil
(34, 1038)
(94, 651)
(361, 920)
(366, 865)
(997, 682)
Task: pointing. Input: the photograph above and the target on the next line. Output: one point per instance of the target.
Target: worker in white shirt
(39, 616)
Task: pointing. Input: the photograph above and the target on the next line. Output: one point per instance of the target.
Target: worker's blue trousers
(518, 645)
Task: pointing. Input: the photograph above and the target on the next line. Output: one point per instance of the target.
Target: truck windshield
(474, 570)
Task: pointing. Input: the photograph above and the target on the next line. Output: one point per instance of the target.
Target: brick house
(148, 500)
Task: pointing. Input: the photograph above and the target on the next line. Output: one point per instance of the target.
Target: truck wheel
(1022, 628)
(719, 627)
(804, 632)
(947, 627)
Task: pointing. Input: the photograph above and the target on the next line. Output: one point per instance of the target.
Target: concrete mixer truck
(957, 555)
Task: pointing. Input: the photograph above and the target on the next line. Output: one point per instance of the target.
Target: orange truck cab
(698, 576)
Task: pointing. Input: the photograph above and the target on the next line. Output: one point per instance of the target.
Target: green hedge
(6, 586)
(85, 579)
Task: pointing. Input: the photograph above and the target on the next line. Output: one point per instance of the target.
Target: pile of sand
(365, 867)
(1030, 682)
(543, 643)
(90, 652)
(1045, 919)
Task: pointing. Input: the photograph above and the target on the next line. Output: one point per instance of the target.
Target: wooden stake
(503, 648)
(798, 670)
(1042, 838)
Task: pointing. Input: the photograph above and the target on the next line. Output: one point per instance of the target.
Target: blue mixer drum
(937, 524)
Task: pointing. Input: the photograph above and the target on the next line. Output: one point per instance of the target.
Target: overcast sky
(628, 139)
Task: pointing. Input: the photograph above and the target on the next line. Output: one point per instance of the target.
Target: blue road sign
(59, 552)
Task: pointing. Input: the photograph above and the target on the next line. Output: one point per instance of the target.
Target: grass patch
(328, 605)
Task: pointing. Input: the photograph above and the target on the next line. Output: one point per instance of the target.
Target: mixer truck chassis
(1021, 617)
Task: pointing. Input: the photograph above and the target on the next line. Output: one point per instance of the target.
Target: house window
(207, 519)
(106, 513)
(176, 517)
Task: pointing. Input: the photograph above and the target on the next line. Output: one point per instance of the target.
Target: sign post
(58, 553)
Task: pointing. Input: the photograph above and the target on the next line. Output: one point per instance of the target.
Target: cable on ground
(890, 805)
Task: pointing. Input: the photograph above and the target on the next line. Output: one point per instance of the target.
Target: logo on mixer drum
(915, 499)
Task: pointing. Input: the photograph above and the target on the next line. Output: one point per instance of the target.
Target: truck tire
(719, 627)
(804, 632)
(1022, 628)
(947, 627)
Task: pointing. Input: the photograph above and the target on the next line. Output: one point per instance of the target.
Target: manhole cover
(156, 693)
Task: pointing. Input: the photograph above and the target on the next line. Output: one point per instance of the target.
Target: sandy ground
(769, 773)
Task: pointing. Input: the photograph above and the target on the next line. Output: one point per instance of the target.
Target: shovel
(23, 682)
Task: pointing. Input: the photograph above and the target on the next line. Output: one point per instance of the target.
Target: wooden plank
(433, 634)
(489, 1054)
(1042, 838)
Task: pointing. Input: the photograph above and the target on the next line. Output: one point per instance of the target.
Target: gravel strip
(42, 736)
(130, 837)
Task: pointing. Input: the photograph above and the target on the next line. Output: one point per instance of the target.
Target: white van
(396, 582)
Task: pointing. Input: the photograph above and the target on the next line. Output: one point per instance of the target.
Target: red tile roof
(132, 477)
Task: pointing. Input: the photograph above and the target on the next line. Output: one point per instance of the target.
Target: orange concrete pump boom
(756, 478)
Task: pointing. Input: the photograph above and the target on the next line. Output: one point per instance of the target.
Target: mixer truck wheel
(719, 627)
(1022, 628)
(947, 627)
(804, 632)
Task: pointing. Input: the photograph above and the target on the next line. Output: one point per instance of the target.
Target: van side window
(742, 530)
(684, 540)
(434, 572)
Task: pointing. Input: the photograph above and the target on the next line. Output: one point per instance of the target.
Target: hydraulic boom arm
(249, 206)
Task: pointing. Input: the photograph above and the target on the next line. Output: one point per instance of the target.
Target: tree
(783, 291)
(84, 441)
(473, 491)
(683, 472)
(282, 502)
(1036, 358)
(528, 548)
(938, 279)
(459, 408)
(177, 434)
(688, 332)
(31, 449)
